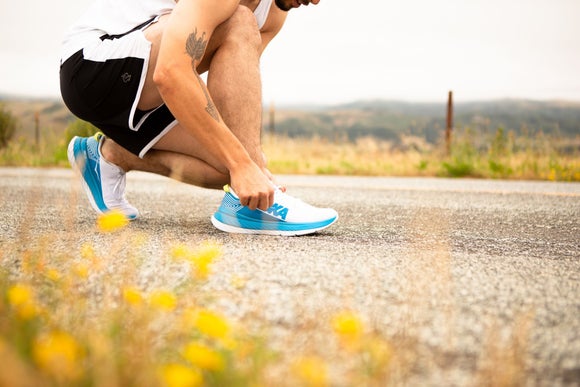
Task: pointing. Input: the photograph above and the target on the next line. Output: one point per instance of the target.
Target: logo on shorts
(126, 78)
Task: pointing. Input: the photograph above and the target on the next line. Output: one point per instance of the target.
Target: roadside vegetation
(499, 155)
(503, 140)
(67, 319)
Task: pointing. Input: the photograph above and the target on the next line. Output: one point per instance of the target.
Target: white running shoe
(103, 182)
(287, 216)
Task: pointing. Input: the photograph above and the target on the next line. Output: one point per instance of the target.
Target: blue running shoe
(103, 182)
(288, 216)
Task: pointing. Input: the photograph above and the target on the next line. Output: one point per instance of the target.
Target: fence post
(272, 119)
(449, 127)
(37, 128)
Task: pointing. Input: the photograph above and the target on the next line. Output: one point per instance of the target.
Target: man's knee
(242, 28)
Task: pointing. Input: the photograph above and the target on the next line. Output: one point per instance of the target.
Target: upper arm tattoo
(195, 48)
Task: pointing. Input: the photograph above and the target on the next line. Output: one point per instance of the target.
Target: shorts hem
(156, 139)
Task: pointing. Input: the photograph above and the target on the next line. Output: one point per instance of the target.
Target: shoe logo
(278, 210)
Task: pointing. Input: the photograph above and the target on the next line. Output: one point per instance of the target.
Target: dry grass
(502, 156)
(534, 159)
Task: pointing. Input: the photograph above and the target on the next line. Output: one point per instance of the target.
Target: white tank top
(261, 12)
(113, 17)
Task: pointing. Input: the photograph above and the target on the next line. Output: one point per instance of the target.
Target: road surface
(449, 268)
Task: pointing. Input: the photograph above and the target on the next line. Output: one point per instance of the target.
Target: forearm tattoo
(195, 48)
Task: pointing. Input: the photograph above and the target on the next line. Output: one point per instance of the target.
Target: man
(131, 67)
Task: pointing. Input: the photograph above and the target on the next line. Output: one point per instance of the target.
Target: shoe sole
(238, 230)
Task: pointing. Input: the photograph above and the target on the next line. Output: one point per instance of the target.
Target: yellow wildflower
(229, 343)
(180, 251)
(19, 295)
(348, 327)
(112, 221)
(88, 251)
(21, 298)
(178, 375)
(380, 353)
(58, 354)
(202, 269)
(312, 371)
(203, 357)
(200, 258)
(238, 282)
(132, 296)
(162, 299)
(211, 324)
(53, 275)
(209, 251)
(203, 257)
(81, 269)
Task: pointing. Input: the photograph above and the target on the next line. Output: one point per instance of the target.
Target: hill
(53, 115)
(390, 119)
(381, 119)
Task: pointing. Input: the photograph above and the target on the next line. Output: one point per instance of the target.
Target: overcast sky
(345, 50)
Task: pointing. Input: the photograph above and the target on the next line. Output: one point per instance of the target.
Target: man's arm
(183, 45)
(273, 25)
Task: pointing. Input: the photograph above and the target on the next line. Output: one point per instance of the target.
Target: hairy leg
(176, 165)
(234, 81)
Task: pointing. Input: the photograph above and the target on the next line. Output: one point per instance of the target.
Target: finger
(270, 196)
(271, 199)
(263, 203)
(244, 199)
(267, 200)
(253, 202)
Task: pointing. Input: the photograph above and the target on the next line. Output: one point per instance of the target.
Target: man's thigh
(150, 97)
(242, 19)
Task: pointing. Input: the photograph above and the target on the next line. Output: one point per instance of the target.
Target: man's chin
(283, 5)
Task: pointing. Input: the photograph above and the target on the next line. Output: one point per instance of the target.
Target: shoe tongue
(230, 190)
(92, 150)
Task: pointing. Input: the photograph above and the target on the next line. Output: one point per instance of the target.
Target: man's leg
(173, 164)
(235, 84)
(234, 45)
(232, 58)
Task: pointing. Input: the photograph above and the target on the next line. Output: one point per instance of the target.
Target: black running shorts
(102, 84)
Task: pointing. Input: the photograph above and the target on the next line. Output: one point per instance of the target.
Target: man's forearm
(188, 99)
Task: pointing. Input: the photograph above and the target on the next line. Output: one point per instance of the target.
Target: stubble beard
(283, 5)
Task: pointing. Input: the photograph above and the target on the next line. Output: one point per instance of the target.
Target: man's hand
(252, 186)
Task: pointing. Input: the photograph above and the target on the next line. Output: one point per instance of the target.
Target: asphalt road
(455, 267)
